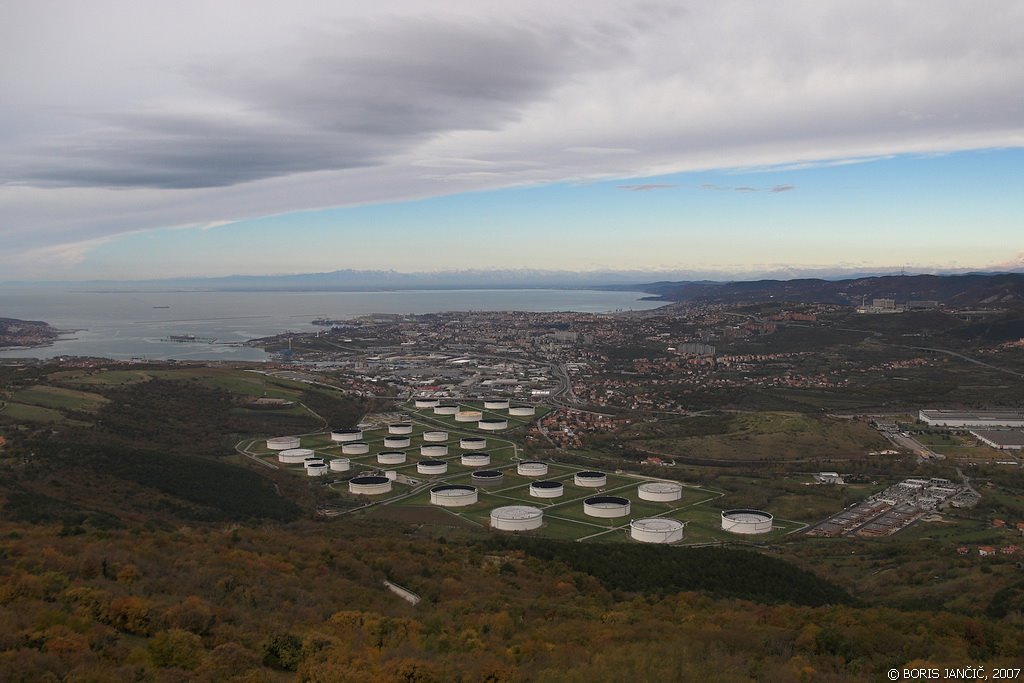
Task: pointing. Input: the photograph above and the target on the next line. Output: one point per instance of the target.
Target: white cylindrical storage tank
(522, 411)
(355, 448)
(656, 530)
(397, 442)
(341, 464)
(590, 479)
(316, 469)
(746, 521)
(496, 403)
(431, 467)
(516, 518)
(472, 443)
(453, 495)
(282, 443)
(445, 409)
(492, 424)
(294, 456)
(546, 489)
(476, 459)
(433, 450)
(529, 468)
(435, 436)
(468, 416)
(312, 460)
(664, 491)
(369, 486)
(391, 457)
(426, 402)
(346, 435)
(487, 477)
(400, 428)
(606, 506)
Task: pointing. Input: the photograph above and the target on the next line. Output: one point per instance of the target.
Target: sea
(125, 325)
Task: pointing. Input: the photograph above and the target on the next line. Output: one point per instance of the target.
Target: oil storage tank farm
(432, 467)
(468, 416)
(656, 530)
(391, 457)
(664, 491)
(316, 469)
(282, 443)
(433, 450)
(606, 506)
(492, 424)
(294, 456)
(529, 468)
(453, 495)
(446, 409)
(355, 448)
(472, 443)
(426, 403)
(746, 521)
(487, 477)
(476, 459)
(590, 479)
(496, 403)
(346, 435)
(546, 489)
(400, 428)
(516, 518)
(369, 486)
(397, 442)
(522, 411)
(341, 464)
(435, 436)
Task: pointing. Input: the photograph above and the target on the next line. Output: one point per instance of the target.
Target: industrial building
(978, 418)
(1003, 439)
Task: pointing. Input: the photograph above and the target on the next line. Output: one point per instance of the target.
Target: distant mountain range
(975, 289)
(672, 285)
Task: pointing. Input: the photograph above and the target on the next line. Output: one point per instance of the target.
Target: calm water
(125, 325)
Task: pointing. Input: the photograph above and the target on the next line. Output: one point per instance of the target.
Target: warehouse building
(978, 418)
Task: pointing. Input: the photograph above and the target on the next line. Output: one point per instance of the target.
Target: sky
(144, 139)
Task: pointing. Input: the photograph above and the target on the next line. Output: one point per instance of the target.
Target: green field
(29, 413)
(59, 398)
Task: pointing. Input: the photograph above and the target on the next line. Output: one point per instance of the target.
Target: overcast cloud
(126, 116)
